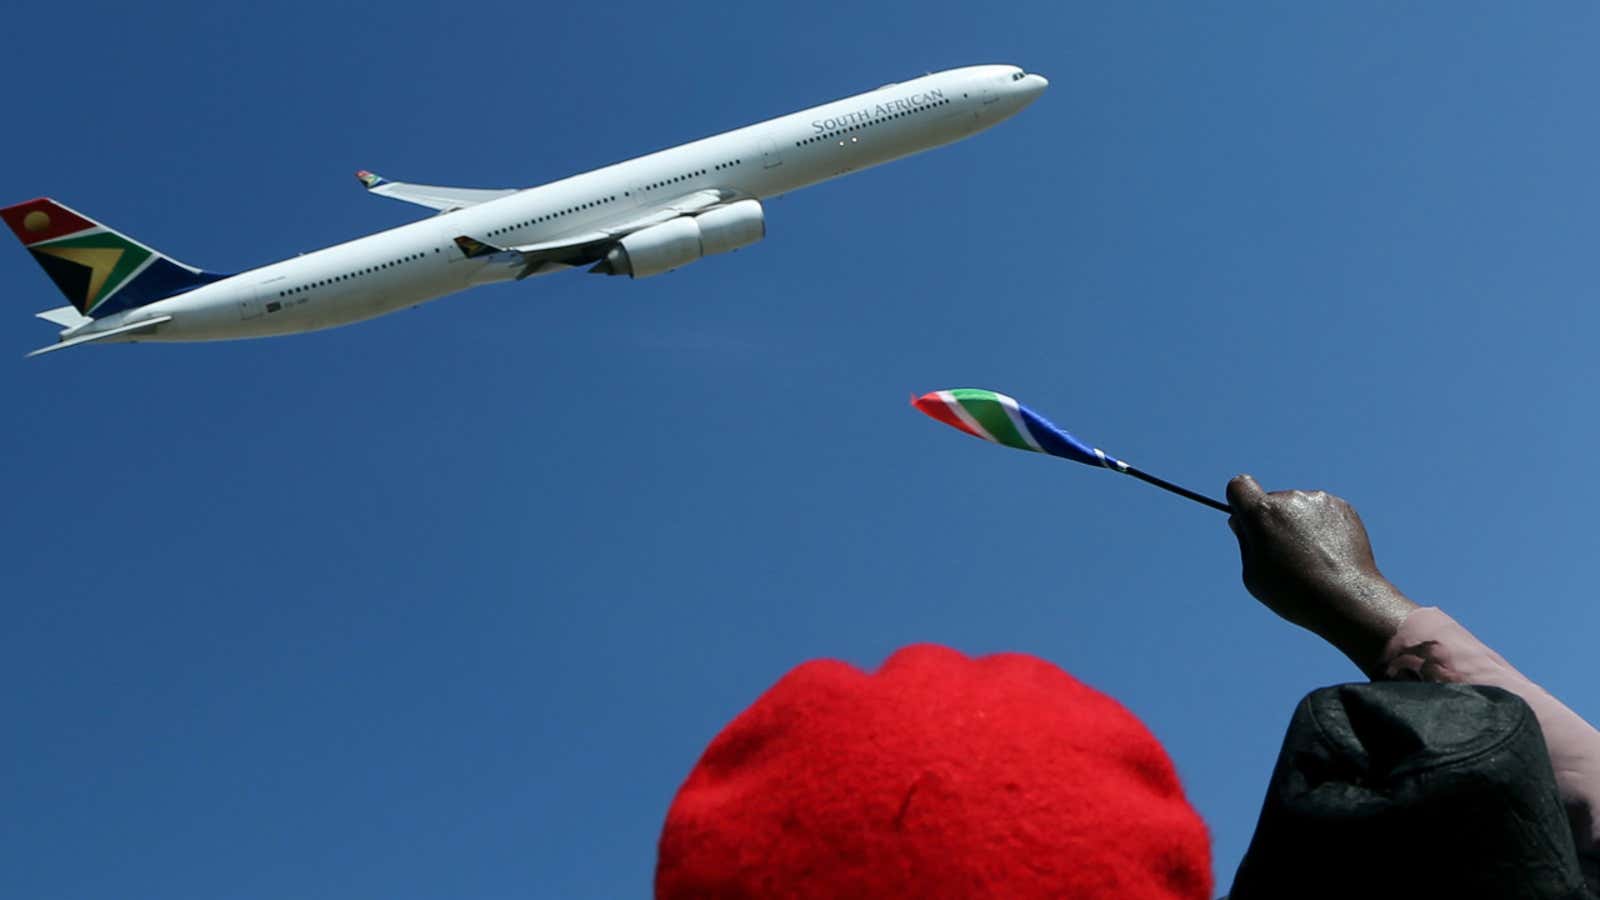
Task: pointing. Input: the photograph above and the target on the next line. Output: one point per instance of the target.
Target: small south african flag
(998, 418)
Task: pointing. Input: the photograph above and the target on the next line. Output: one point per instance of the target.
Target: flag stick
(1165, 485)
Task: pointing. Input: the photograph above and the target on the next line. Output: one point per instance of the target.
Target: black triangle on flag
(72, 278)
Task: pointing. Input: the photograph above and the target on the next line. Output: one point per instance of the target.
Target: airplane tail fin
(99, 270)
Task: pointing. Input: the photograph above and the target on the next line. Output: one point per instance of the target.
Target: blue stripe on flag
(1056, 442)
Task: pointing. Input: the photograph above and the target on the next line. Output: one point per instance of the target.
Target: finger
(1239, 535)
(1246, 564)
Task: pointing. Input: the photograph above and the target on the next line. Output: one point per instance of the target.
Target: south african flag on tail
(100, 271)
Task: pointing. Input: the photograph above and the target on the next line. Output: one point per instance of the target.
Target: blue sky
(447, 604)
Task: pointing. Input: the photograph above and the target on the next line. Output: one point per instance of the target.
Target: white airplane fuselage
(418, 262)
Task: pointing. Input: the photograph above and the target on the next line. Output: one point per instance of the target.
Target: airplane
(637, 218)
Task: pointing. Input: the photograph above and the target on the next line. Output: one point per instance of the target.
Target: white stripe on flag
(965, 417)
(1017, 423)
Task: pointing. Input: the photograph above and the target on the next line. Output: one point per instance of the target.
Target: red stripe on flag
(42, 219)
(934, 407)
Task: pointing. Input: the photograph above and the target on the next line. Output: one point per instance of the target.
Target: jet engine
(731, 227)
(680, 241)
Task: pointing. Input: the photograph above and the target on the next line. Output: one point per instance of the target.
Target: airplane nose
(1028, 88)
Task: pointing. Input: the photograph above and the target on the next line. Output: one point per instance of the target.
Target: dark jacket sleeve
(1431, 646)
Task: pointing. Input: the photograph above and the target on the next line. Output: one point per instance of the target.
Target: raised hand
(1306, 557)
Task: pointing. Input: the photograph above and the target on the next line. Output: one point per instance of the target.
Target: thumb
(1244, 495)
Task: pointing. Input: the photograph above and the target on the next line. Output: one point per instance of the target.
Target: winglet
(369, 180)
(472, 248)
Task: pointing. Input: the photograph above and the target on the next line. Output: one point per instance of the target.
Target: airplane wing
(699, 201)
(101, 335)
(443, 199)
(584, 247)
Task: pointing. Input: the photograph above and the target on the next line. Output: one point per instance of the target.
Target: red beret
(938, 776)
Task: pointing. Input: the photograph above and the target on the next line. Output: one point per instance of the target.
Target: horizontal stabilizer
(65, 316)
(443, 199)
(144, 325)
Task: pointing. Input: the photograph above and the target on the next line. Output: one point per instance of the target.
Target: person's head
(1410, 789)
(937, 776)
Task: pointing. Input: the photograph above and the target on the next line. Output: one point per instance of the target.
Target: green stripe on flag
(985, 406)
